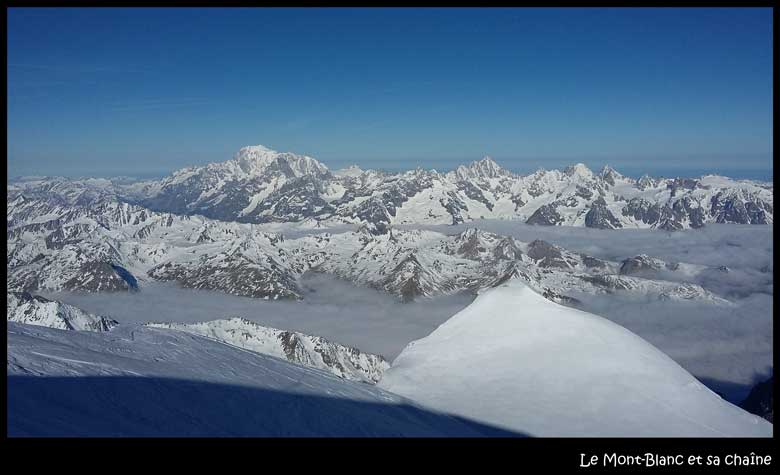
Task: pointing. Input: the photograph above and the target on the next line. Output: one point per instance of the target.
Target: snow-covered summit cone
(481, 169)
(579, 170)
(518, 360)
(257, 159)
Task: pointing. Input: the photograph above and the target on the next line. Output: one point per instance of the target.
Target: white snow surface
(142, 381)
(517, 360)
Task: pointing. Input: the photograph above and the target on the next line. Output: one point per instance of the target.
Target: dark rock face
(584, 192)
(592, 262)
(518, 202)
(760, 400)
(733, 209)
(684, 208)
(476, 245)
(474, 193)
(608, 282)
(679, 184)
(175, 198)
(65, 235)
(608, 175)
(373, 212)
(506, 249)
(379, 210)
(546, 215)
(470, 247)
(35, 228)
(667, 217)
(454, 206)
(755, 213)
(296, 200)
(646, 182)
(638, 264)
(101, 277)
(642, 210)
(405, 279)
(561, 299)
(547, 255)
(235, 274)
(601, 218)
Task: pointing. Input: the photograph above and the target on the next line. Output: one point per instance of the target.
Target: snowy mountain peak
(578, 170)
(480, 169)
(258, 159)
(254, 149)
(609, 174)
(350, 171)
(607, 171)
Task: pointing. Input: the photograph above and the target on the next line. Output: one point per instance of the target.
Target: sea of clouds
(727, 347)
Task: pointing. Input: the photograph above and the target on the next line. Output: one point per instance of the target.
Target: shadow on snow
(165, 407)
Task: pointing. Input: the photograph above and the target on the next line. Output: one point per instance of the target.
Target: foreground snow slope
(517, 360)
(141, 381)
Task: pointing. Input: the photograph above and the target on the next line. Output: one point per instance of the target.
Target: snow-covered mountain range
(116, 246)
(260, 185)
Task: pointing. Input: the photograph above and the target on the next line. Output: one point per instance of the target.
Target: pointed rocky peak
(481, 169)
(579, 170)
(469, 234)
(512, 271)
(609, 175)
(487, 166)
(409, 261)
(646, 181)
(470, 243)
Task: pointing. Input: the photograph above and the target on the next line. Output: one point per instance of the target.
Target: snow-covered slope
(517, 360)
(307, 350)
(141, 381)
(22, 307)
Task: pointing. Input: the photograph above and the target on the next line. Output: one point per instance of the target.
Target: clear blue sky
(146, 91)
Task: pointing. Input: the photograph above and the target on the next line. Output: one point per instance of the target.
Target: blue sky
(145, 91)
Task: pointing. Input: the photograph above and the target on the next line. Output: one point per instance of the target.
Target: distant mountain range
(260, 185)
(104, 235)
